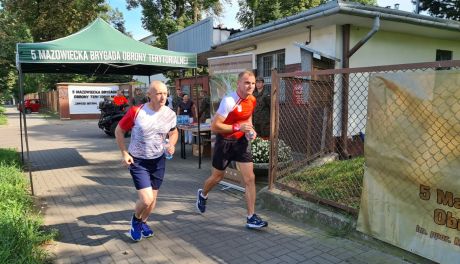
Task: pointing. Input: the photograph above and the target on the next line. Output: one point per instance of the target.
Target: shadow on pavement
(51, 159)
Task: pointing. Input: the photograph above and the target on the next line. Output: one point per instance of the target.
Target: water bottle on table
(166, 147)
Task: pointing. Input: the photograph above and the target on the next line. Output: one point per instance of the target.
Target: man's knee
(217, 175)
(249, 178)
(146, 200)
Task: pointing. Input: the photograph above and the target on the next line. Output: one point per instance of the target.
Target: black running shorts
(230, 149)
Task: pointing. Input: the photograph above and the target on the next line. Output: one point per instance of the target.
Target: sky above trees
(133, 22)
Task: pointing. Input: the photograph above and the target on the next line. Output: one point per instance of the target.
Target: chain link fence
(319, 128)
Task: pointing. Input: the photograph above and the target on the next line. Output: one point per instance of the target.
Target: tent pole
(21, 88)
(198, 117)
(21, 112)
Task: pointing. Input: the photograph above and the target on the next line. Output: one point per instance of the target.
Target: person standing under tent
(120, 99)
(232, 125)
(187, 107)
(169, 101)
(150, 124)
(204, 107)
(139, 97)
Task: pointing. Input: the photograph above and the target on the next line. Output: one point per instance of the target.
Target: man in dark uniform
(205, 106)
(262, 111)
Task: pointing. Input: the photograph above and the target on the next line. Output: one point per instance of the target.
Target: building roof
(340, 13)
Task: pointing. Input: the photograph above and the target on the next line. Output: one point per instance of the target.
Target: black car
(111, 114)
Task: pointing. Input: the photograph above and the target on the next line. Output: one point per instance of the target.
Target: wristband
(236, 127)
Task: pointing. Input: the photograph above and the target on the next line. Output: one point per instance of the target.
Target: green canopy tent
(99, 49)
(96, 49)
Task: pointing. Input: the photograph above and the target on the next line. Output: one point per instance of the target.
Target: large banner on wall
(85, 99)
(223, 76)
(411, 194)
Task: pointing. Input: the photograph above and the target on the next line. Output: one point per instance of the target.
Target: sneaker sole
(251, 226)
(148, 236)
(196, 203)
(129, 235)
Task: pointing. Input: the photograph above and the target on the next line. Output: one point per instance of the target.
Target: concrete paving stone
(345, 255)
(321, 260)
(298, 257)
(76, 259)
(293, 247)
(288, 259)
(273, 261)
(357, 260)
(123, 261)
(241, 259)
(105, 260)
(312, 253)
(337, 251)
(63, 260)
(331, 258)
(262, 256)
(309, 261)
(135, 260)
(279, 250)
(94, 257)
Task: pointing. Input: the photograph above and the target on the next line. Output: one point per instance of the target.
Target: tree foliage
(449, 9)
(44, 20)
(51, 19)
(256, 12)
(164, 17)
(11, 32)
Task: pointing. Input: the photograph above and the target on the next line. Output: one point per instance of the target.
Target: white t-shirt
(148, 130)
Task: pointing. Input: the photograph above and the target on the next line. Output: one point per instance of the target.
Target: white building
(315, 39)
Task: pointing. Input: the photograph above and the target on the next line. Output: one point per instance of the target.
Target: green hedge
(3, 119)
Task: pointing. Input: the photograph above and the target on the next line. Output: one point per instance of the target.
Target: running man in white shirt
(149, 123)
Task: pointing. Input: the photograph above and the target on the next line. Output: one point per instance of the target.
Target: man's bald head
(156, 86)
(158, 92)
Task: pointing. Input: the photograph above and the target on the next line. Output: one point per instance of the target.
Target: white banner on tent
(85, 99)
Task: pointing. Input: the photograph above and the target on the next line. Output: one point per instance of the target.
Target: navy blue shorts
(230, 149)
(148, 172)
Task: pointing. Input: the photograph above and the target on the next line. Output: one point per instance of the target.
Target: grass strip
(20, 225)
(339, 181)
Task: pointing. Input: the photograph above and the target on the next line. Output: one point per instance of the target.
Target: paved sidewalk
(90, 199)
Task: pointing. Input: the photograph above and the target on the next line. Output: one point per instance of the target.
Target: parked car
(30, 105)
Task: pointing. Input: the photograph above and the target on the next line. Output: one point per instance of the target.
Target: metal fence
(318, 131)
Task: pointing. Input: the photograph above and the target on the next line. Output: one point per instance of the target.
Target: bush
(21, 237)
(261, 151)
(3, 119)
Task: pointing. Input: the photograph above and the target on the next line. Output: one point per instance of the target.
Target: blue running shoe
(255, 222)
(200, 201)
(136, 229)
(146, 231)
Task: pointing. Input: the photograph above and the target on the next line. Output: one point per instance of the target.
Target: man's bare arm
(218, 125)
(120, 138)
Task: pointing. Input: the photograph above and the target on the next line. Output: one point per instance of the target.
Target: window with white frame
(266, 63)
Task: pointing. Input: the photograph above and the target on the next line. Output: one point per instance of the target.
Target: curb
(305, 211)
